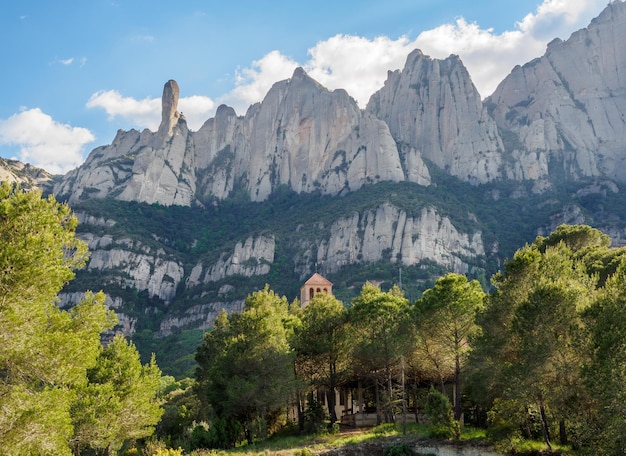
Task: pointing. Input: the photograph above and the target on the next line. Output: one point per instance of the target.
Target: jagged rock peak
(568, 105)
(432, 106)
(302, 78)
(615, 10)
(169, 106)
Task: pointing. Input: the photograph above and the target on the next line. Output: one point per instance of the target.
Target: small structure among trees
(316, 284)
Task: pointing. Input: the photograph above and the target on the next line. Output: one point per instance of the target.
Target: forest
(538, 355)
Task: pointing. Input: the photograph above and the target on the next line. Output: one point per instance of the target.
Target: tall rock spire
(169, 114)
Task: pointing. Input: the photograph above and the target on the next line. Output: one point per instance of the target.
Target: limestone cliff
(27, 176)
(389, 232)
(569, 105)
(301, 136)
(433, 107)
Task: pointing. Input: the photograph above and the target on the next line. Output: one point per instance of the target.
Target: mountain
(435, 112)
(25, 175)
(301, 135)
(568, 106)
(428, 178)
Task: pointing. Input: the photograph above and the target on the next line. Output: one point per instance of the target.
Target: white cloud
(253, 83)
(146, 113)
(356, 64)
(43, 142)
(360, 65)
(196, 109)
(143, 39)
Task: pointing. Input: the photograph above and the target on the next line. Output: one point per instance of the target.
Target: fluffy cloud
(360, 66)
(253, 83)
(146, 113)
(43, 142)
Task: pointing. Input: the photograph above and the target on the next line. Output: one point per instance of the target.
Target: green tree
(603, 431)
(529, 353)
(321, 345)
(446, 322)
(45, 351)
(120, 402)
(246, 365)
(379, 336)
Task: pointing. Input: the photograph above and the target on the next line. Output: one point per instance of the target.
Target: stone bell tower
(316, 284)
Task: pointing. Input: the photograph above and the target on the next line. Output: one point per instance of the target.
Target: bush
(314, 416)
(304, 452)
(201, 436)
(399, 449)
(224, 433)
(159, 448)
(439, 414)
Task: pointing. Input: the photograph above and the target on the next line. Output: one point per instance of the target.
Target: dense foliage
(542, 353)
(61, 391)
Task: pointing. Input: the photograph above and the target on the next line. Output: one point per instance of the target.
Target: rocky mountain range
(427, 178)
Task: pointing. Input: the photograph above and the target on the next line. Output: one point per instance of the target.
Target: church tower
(316, 284)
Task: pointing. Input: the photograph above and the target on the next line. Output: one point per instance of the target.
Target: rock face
(169, 114)
(403, 239)
(301, 135)
(249, 258)
(433, 107)
(569, 105)
(27, 176)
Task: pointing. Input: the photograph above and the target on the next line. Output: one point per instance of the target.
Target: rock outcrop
(390, 233)
(568, 106)
(301, 136)
(27, 176)
(249, 258)
(433, 107)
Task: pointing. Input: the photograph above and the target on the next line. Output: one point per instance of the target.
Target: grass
(308, 445)
(522, 446)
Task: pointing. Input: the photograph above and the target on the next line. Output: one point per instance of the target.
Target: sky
(76, 71)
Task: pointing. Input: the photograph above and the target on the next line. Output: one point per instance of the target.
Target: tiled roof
(317, 279)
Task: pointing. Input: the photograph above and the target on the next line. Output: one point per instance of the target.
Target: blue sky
(76, 71)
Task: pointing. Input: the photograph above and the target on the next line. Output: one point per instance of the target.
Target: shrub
(399, 449)
(314, 416)
(439, 414)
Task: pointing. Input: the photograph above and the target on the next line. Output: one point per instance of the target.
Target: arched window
(311, 293)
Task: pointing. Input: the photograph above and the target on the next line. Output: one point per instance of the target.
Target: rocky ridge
(27, 176)
(568, 106)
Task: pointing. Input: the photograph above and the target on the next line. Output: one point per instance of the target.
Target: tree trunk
(330, 399)
(300, 412)
(544, 424)
(390, 416)
(300, 402)
(332, 402)
(562, 432)
(457, 388)
(378, 417)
